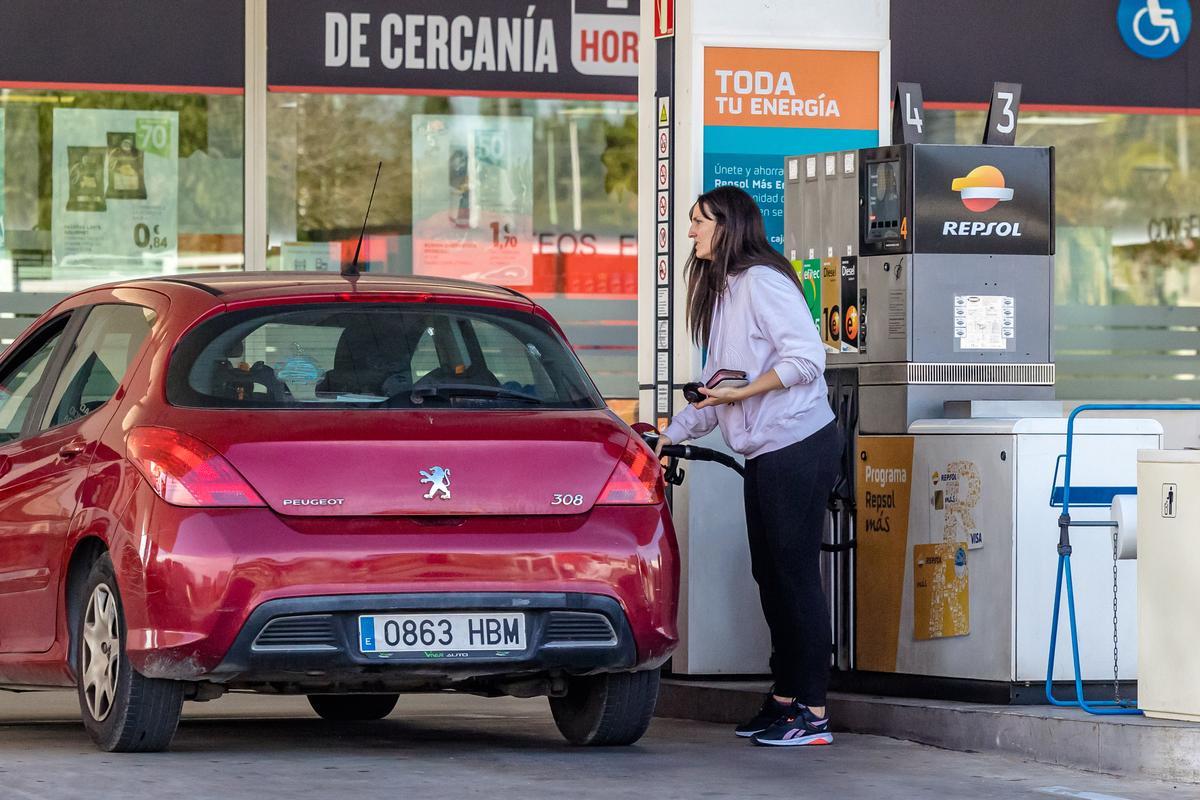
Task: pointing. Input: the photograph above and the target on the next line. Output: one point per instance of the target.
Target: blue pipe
(1050, 698)
(1108, 407)
(1102, 707)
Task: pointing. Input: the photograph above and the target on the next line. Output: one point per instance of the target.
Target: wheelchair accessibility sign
(1154, 28)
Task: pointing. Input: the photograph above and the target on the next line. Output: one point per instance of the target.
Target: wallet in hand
(724, 378)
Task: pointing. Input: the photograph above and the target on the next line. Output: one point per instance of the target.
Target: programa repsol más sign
(551, 48)
(983, 200)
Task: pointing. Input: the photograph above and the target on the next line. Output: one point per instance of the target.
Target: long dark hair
(739, 242)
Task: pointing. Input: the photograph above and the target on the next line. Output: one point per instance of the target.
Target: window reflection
(537, 195)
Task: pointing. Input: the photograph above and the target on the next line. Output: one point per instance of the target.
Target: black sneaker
(799, 726)
(771, 712)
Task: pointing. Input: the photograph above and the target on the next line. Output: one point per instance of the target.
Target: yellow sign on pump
(883, 489)
(941, 605)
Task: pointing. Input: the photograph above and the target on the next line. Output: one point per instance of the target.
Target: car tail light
(185, 471)
(636, 480)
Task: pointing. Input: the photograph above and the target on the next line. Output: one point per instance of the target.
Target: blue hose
(1102, 707)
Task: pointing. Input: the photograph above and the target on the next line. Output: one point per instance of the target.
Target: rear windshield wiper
(472, 389)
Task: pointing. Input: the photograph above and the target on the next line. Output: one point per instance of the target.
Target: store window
(1127, 262)
(101, 186)
(535, 194)
(121, 128)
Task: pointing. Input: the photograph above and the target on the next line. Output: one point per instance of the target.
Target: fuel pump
(929, 272)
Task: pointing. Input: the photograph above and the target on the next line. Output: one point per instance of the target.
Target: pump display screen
(883, 201)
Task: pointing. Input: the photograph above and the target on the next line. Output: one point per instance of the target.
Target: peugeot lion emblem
(439, 480)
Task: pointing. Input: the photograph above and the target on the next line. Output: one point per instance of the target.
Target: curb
(1153, 748)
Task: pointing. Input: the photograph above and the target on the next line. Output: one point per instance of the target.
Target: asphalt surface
(246, 746)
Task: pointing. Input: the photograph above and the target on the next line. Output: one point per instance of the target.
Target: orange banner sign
(791, 88)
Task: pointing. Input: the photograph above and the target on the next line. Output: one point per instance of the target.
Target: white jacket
(762, 322)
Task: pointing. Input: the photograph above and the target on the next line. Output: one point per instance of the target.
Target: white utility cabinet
(1168, 568)
(1012, 570)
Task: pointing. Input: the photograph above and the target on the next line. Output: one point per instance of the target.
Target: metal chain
(1116, 682)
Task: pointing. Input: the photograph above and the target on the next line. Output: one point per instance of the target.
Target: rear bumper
(313, 642)
(192, 580)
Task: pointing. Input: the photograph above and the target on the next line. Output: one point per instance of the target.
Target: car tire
(353, 707)
(606, 710)
(126, 712)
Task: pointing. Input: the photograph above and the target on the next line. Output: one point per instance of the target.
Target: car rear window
(377, 355)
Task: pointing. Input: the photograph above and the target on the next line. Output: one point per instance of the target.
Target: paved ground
(446, 746)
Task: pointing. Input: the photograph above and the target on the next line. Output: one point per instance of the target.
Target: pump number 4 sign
(908, 114)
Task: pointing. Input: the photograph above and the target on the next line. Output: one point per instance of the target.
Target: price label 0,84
(150, 237)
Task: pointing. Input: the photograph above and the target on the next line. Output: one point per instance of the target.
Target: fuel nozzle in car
(673, 473)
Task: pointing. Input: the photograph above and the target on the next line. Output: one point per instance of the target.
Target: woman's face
(702, 231)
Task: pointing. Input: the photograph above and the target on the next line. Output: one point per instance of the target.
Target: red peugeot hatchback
(346, 488)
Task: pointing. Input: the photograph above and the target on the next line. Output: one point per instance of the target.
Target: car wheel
(353, 707)
(605, 710)
(123, 711)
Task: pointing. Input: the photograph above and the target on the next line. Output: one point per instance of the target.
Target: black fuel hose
(693, 453)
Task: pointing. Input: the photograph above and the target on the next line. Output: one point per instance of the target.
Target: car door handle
(71, 449)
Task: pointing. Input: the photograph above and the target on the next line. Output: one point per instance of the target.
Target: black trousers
(787, 492)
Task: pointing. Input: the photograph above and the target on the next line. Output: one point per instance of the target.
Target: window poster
(116, 185)
(472, 197)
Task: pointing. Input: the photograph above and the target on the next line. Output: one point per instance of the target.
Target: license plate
(430, 633)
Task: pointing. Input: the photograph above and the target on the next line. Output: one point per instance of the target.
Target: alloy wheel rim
(101, 652)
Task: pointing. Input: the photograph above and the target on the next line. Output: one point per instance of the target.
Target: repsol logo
(315, 501)
(981, 229)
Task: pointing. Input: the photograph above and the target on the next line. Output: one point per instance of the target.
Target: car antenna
(351, 269)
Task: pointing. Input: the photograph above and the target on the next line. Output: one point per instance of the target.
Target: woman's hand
(767, 382)
(720, 396)
(662, 442)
